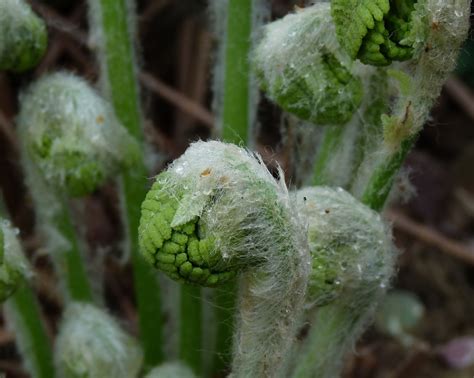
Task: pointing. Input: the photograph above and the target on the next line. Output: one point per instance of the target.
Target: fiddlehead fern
(23, 36)
(216, 212)
(375, 31)
(353, 262)
(301, 67)
(91, 344)
(349, 245)
(72, 134)
(14, 268)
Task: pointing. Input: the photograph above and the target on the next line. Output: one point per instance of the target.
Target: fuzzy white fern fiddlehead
(217, 212)
(353, 261)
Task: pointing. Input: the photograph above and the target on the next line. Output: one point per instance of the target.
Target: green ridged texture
(182, 252)
(23, 36)
(374, 31)
(338, 79)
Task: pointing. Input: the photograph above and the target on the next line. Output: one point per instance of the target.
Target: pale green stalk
(234, 128)
(344, 147)
(332, 139)
(235, 114)
(23, 311)
(190, 341)
(322, 355)
(55, 223)
(112, 25)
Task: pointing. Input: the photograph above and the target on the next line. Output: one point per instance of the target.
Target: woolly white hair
(91, 344)
(23, 36)
(72, 134)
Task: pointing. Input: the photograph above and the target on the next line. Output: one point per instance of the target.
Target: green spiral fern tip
(14, 268)
(23, 36)
(217, 212)
(300, 66)
(72, 134)
(180, 250)
(375, 31)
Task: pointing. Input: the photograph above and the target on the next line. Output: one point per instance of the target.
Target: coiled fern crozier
(301, 67)
(375, 31)
(72, 134)
(353, 260)
(217, 212)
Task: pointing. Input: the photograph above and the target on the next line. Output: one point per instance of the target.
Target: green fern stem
(235, 129)
(235, 114)
(321, 357)
(190, 341)
(442, 26)
(70, 263)
(53, 213)
(33, 342)
(113, 29)
(22, 309)
(380, 183)
(332, 139)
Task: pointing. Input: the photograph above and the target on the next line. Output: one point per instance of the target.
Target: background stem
(190, 344)
(55, 221)
(111, 21)
(70, 263)
(325, 346)
(235, 112)
(332, 138)
(23, 311)
(235, 129)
